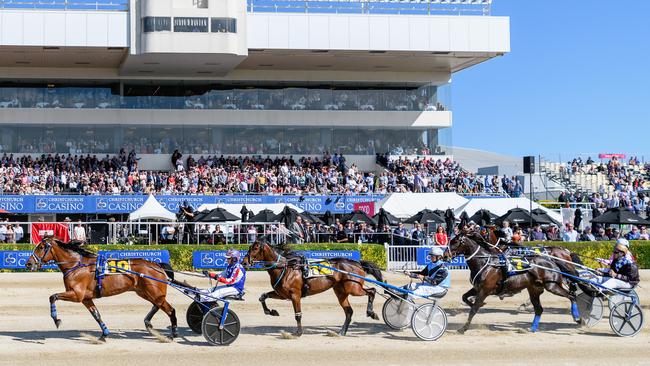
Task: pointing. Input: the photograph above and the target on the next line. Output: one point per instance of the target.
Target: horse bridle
(39, 260)
(274, 265)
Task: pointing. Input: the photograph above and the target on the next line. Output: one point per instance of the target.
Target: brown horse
(285, 270)
(487, 278)
(78, 267)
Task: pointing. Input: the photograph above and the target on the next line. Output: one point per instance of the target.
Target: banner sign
(367, 207)
(157, 256)
(75, 204)
(609, 156)
(423, 258)
(217, 258)
(16, 259)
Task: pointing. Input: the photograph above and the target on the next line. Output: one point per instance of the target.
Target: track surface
(498, 336)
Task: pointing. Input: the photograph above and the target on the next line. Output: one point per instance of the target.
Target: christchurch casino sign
(52, 204)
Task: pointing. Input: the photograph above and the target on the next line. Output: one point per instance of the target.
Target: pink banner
(609, 156)
(367, 207)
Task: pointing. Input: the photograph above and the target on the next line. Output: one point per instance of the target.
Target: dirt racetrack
(498, 336)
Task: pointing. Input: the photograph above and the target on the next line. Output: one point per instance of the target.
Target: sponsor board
(423, 258)
(157, 256)
(209, 259)
(17, 259)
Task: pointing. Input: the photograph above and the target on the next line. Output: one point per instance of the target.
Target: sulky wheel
(591, 309)
(224, 336)
(626, 319)
(397, 313)
(194, 315)
(429, 322)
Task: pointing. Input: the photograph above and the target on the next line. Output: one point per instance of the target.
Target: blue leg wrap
(574, 311)
(535, 325)
(105, 331)
(53, 311)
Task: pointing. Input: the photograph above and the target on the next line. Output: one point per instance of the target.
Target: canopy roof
(152, 210)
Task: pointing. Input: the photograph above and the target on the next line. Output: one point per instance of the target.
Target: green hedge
(181, 255)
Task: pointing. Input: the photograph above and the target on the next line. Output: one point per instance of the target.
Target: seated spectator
(553, 233)
(643, 235)
(587, 235)
(537, 234)
(570, 235)
(602, 236)
(633, 234)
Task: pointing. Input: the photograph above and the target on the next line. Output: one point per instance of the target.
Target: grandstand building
(233, 77)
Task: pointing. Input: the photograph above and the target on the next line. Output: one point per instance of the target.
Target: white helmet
(437, 251)
(623, 242)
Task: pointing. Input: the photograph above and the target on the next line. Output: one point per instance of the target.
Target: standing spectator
(441, 237)
(400, 234)
(79, 233)
(570, 235)
(644, 234)
(418, 235)
(340, 235)
(11, 237)
(18, 231)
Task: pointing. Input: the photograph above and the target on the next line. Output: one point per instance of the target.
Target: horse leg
(90, 305)
(269, 295)
(347, 309)
(467, 295)
(171, 312)
(295, 300)
(478, 303)
(147, 319)
(65, 296)
(370, 312)
(556, 288)
(537, 304)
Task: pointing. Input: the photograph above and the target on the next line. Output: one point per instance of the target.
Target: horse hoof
(373, 315)
(102, 339)
(296, 334)
(461, 331)
(57, 323)
(274, 313)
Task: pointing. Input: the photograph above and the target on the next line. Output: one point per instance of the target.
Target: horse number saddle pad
(114, 266)
(317, 271)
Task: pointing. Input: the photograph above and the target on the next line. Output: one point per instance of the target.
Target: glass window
(165, 139)
(157, 24)
(345, 140)
(139, 139)
(190, 24)
(30, 139)
(224, 25)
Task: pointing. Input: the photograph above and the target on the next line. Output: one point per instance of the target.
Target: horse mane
(76, 246)
(480, 240)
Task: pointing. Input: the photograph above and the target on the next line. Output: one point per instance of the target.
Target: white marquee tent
(152, 210)
(405, 205)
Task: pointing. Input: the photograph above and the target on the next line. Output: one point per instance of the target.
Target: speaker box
(529, 164)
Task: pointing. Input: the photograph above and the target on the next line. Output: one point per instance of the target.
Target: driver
(232, 279)
(622, 272)
(435, 276)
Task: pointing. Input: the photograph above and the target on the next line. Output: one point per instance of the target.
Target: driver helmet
(623, 242)
(436, 251)
(233, 253)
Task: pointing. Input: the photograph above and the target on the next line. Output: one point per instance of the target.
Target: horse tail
(570, 269)
(372, 270)
(169, 271)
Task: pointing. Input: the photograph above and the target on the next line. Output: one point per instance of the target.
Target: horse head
(42, 254)
(462, 243)
(259, 251)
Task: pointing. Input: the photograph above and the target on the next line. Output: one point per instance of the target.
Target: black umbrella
(328, 218)
(542, 217)
(384, 217)
(483, 217)
(265, 215)
(244, 213)
(449, 221)
(287, 216)
(516, 216)
(308, 216)
(619, 216)
(425, 216)
(219, 215)
(357, 216)
(198, 216)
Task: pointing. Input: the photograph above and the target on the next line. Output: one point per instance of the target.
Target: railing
(151, 232)
(105, 5)
(421, 7)
(296, 99)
